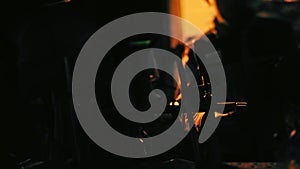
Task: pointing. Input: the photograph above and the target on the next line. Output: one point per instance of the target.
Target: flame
(178, 97)
(185, 56)
(198, 119)
(192, 10)
(217, 13)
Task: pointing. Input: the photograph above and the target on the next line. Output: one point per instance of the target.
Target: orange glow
(226, 103)
(175, 10)
(293, 133)
(241, 102)
(178, 97)
(293, 165)
(241, 105)
(217, 13)
(200, 13)
(177, 78)
(198, 119)
(185, 56)
(176, 103)
(238, 104)
(290, 1)
(67, 1)
(217, 114)
(203, 82)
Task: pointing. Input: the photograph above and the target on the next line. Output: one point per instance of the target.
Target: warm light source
(198, 119)
(200, 13)
(290, 1)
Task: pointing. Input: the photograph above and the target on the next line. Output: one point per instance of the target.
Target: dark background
(39, 45)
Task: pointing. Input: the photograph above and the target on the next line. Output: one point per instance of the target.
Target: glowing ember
(203, 82)
(217, 114)
(176, 103)
(226, 103)
(241, 103)
(151, 76)
(293, 133)
(238, 104)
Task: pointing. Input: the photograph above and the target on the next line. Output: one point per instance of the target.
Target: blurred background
(259, 45)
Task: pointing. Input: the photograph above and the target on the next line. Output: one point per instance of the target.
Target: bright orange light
(198, 119)
(203, 81)
(290, 1)
(293, 133)
(178, 97)
(67, 1)
(185, 56)
(217, 114)
(200, 13)
(217, 13)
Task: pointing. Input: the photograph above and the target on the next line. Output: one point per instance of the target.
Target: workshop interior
(256, 41)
